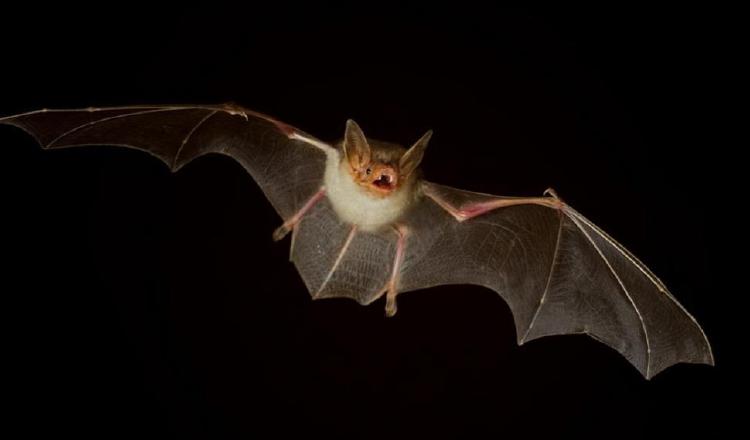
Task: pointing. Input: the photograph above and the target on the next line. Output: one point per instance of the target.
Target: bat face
(379, 167)
(379, 178)
(372, 165)
(371, 183)
(384, 177)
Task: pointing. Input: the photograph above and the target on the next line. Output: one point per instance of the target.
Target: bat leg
(475, 209)
(288, 225)
(390, 288)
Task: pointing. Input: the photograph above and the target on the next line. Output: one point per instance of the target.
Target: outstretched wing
(558, 272)
(286, 163)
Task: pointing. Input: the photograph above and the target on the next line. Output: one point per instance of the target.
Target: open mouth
(385, 181)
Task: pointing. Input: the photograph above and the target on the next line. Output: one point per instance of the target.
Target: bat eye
(368, 171)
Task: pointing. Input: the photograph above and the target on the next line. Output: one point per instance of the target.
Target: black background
(141, 302)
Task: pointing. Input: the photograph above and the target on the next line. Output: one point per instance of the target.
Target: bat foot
(288, 225)
(390, 288)
(281, 232)
(390, 305)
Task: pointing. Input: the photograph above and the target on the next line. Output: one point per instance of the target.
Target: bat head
(381, 167)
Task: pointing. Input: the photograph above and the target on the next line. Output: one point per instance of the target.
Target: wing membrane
(288, 169)
(559, 274)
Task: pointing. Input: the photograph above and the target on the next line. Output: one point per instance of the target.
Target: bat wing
(286, 163)
(558, 272)
(333, 259)
(337, 259)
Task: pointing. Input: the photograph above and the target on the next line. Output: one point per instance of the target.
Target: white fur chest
(354, 205)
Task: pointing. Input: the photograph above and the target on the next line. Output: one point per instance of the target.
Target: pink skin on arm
(476, 209)
(390, 288)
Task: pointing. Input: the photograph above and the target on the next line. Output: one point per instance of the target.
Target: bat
(365, 224)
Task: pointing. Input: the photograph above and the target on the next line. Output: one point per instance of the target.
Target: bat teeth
(383, 180)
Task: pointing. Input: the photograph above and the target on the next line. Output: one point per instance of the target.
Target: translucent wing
(287, 163)
(559, 274)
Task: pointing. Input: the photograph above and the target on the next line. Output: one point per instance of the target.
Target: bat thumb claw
(559, 203)
(552, 193)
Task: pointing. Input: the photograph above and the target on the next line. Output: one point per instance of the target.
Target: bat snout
(385, 178)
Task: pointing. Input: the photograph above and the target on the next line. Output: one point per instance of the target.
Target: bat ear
(413, 156)
(356, 148)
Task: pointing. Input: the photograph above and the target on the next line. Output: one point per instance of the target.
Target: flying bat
(365, 224)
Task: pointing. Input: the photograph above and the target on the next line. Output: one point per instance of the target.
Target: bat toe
(281, 232)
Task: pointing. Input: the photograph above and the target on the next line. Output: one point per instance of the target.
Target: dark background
(138, 301)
